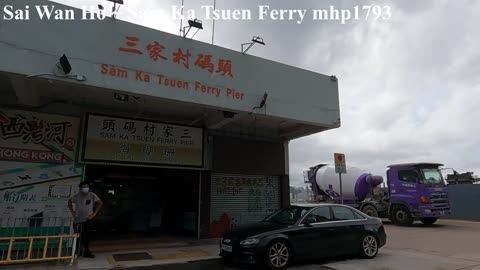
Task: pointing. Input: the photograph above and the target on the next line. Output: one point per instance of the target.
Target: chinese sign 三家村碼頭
(110, 139)
(156, 51)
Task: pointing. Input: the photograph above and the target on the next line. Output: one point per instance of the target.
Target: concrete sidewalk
(104, 261)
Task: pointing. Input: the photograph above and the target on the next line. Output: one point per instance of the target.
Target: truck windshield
(431, 177)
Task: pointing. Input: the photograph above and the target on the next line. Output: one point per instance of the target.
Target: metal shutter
(240, 199)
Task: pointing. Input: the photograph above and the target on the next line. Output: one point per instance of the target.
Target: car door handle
(356, 227)
(331, 229)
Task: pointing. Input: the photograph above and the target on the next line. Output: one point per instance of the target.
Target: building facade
(176, 136)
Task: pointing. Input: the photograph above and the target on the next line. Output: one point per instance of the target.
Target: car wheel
(369, 246)
(278, 255)
(370, 210)
(401, 216)
(428, 221)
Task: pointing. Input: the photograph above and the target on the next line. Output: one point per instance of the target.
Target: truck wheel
(428, 221)
(401, 216)
(370, 210)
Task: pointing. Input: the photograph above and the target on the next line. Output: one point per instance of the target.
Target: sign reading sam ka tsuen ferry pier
(145, 62)
(109, 139)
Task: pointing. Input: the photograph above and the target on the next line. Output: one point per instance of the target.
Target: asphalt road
(448, 245)
(218, 265)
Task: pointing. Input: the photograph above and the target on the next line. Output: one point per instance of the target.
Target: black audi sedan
(303, 232)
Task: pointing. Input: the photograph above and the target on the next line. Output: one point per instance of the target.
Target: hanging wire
(181, 19)
(213, 28)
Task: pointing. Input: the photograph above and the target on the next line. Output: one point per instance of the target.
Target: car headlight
(250, 241)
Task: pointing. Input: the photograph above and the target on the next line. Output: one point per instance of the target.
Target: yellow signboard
(109, 139)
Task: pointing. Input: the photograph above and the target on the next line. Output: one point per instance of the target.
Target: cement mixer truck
(413, 191)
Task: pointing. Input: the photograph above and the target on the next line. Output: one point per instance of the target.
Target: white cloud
(407, 91)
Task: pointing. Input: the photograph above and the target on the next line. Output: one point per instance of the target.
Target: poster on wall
(42, 204)
(37, 168)
(241, 199)
(119, 140)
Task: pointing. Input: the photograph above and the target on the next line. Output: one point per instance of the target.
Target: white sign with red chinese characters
(113, 54)
(109, 139)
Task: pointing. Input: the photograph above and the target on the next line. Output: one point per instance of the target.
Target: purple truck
(414, 191)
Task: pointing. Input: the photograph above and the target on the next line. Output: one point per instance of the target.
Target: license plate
(226, 248)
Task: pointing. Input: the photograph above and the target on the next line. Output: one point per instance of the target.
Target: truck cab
(417, 191)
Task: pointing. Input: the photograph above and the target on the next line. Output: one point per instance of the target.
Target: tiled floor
(179, 253)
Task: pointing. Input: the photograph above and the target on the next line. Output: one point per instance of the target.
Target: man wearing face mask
(87, 205)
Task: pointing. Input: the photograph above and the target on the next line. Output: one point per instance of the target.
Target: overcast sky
(409, 86)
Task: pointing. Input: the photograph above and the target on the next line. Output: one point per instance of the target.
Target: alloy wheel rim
(278, 255)
(370, 246)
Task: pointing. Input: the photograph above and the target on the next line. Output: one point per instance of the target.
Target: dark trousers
(84, 241)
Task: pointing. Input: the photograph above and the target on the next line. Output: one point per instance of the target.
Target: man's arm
(96, 209)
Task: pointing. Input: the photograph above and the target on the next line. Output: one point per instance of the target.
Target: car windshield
(288, 216)
(431, 177)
